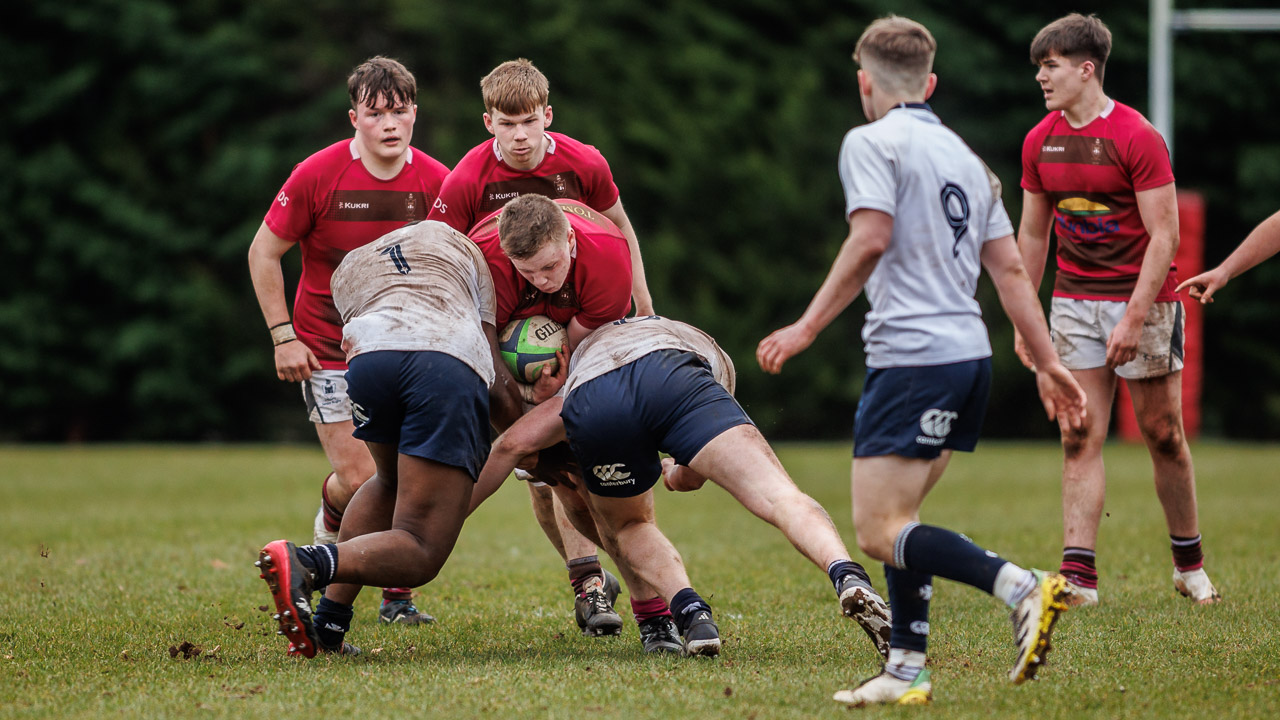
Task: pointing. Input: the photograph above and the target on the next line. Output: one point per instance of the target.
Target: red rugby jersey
(483, 182)
(1090, 176)
(597, 289)
(331, 205)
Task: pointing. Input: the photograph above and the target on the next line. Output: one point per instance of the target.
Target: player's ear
(488, 122)
(352, 114)
(931, 85)
(1087, 69)
(546, 118)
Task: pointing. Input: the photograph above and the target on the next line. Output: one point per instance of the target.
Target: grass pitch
(111, 556)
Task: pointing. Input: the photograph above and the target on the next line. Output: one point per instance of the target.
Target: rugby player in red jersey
(341, 198)
(1097, 173)
(522, 158)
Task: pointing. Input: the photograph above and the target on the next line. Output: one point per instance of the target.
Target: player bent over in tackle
(418, 309)
(924, 214)
(638, 387)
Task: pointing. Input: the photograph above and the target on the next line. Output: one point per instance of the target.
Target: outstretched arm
(869, 234)
(1062, 396)
(1261, 244)
(540, 428)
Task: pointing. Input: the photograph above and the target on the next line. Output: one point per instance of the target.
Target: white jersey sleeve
(868, 177)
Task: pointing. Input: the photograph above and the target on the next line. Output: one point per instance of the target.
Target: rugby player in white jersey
(924, 215)
(417, 307)
(646, 385)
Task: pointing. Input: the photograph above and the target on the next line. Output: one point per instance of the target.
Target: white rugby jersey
(422, 287)
(619, 343)
(945, 206)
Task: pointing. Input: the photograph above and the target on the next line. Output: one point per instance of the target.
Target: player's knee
(1076, 443)
(1166, 438)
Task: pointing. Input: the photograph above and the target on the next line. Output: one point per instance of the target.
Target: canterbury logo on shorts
(613, 474)
(936, 425)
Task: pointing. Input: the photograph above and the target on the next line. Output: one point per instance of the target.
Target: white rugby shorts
(326, 397)
(1080, 329)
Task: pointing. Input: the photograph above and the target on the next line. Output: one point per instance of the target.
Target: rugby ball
(530, 344)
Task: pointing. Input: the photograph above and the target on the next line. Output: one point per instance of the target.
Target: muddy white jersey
(945, 205)
(422, 287)
(619, 343)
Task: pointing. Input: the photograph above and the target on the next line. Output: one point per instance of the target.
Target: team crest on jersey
(410, 205)
(561, 186)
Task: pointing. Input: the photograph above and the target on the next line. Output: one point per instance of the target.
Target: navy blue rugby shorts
(918, 412)
(428, 404)
(667, 401)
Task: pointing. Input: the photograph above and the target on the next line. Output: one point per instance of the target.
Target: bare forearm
(1155, 268)
(1261, 244)
(1022, 305)
(848, 275)
(1034, 249)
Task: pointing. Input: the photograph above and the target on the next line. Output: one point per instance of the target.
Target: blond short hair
(528, 223)
(898, 54)
(515, 87)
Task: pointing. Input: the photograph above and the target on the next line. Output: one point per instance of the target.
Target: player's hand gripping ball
(530, 344)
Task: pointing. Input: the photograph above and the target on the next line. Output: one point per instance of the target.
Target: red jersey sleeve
(602, 274)
(1031, 159)
(292, 213)
(1148, 158)
(454, 206)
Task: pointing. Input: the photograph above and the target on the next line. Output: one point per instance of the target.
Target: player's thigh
(888, 490)
(431, 500)
(1157, 401)
(615, 449)
(1099, 385)
(614, 514)
(741, 461)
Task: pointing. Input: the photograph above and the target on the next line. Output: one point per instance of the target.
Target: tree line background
(143, 140)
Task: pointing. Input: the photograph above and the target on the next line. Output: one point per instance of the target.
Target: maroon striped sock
(651, 608)
(1079, 565)
(332, 515)
(390, 594)
(582, 568)
(1187, 554)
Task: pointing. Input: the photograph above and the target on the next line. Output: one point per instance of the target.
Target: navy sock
(840, 568)
(685, 603)
(332, 621)
(321, 560)
(937, 551)
(909, 594)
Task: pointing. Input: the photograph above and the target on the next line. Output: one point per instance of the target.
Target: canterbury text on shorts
(428, 404)
(326, 397)
(667, 401)
(918, 412)
(1080, 330)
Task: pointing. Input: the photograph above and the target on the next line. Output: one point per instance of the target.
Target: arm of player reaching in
(505, 405)
(1063, 398)
(869, 234)
(1261, 244)
(540, 428)
(1033, 245)
(1159, 210)
(639, 287)
(680, 478)
(294, 361)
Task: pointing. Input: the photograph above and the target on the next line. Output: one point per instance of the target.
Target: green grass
(110, 555)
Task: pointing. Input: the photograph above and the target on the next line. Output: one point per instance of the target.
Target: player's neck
(381, 167)
(1087, 108)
